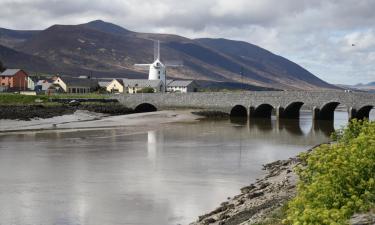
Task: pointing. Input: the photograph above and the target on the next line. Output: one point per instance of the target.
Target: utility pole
(242, 70)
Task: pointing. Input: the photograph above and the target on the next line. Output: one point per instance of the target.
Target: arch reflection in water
(372, 114)
(261, 124)
(291, 126)
(238, 120)
(325, 126)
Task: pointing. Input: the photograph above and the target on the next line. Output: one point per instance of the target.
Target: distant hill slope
(12, 38)
(261, 60)
(14, 59)
(370, 85)
(108, 50)
(361, 87)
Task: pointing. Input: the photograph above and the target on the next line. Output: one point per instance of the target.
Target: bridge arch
(145, 107)
(327, 112)
(363, 112)
(238, 111)
(292, 111)
(262, 111)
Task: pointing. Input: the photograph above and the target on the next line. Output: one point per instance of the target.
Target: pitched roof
(9, 72)
(43, 82)
(103, 83)
(141, 83)
(79, 82)
(180, 83)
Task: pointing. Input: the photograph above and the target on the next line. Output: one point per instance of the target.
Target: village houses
(182, 86)
(132, 86)
(74, 85)
(18, 80)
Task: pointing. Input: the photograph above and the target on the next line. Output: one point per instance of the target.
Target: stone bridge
(262, 104)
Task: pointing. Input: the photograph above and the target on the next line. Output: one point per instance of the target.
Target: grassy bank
(337, 179)
(14, 99)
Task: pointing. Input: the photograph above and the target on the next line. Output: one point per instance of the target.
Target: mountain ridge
(107, 49)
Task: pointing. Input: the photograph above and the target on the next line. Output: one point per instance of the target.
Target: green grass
(17, 99)
(90, 95)
(338, 179)
(8, 98)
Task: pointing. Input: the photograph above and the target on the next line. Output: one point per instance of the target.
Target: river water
(164, 176)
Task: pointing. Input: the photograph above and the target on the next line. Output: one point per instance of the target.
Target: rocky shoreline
(27, 112)
(262, 202)
(257, 201)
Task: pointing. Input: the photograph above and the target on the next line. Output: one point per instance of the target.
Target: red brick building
(14, 79)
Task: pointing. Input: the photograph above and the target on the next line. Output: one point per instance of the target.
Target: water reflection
(291, 126)
(372, 114)
(261, 124)
(131, 176)
(327, 127)
(238, 120)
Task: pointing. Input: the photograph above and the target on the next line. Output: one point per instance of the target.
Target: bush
(146, 90)
(338, 179)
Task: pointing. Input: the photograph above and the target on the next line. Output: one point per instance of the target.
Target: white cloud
(316, 34)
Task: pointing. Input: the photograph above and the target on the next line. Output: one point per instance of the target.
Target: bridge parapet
(286, 103)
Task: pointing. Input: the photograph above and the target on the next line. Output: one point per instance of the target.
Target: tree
(2, 67)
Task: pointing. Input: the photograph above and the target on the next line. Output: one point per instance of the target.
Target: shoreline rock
(258, 200)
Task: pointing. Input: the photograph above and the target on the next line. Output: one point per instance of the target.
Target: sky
(333, 39)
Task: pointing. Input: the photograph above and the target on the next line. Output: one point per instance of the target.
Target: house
(182, 86)
(116, 86)
(43, 85)
(14, 79)
(77, 85)
(31, 83)
(137, 85)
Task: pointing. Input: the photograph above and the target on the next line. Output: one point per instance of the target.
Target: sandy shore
(89, 120)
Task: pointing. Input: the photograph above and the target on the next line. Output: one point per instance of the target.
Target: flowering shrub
(337, 180)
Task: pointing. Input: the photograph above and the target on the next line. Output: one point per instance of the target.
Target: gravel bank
(27, 112)
(257, 200)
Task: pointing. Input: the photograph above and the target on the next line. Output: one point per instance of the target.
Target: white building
(182, 86)
(138, 85)
(115, 86)
(30, 83)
